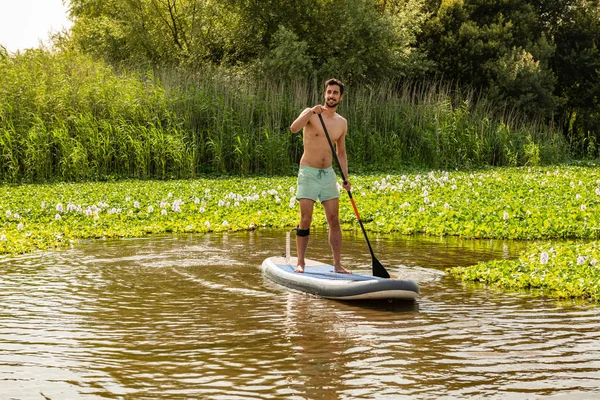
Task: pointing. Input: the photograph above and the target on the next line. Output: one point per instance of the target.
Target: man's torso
(317, 153)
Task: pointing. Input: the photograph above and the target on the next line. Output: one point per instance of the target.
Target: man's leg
(306, 212)
(332, 208)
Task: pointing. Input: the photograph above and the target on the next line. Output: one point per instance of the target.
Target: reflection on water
(192, 317)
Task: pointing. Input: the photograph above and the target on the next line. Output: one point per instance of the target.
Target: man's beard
(334, 103)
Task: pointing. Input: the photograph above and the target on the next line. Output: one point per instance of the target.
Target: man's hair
(334, 81)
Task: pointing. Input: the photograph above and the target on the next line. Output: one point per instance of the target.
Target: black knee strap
(302, 232)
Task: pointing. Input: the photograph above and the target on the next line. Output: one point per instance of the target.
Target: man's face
(333, 96)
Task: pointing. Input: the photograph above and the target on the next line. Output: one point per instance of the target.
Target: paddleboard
(320, 280)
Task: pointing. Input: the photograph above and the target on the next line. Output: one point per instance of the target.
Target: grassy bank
(517, 203)
(64, 116)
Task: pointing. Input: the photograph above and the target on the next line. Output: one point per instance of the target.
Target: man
(316, 178)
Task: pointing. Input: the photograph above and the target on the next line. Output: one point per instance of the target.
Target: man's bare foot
(341, 270)
(299, 269)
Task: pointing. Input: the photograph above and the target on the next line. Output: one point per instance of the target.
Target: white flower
(598, 191)
(236, 204)
(446, 205)
(225, 223)
(594, 262)
(20, 226)
(196, 200)
(426, 200)
(88, 212)
(292, 202)
(163, 212)
(421, 209)
(277, 199)
(3, 238)
(59, 207)
(528, 212)
(127, 198)
(221, 203)
(177, 205)
(505, 216)
(580, 260)
(583, 207)
(577, 196)
(57, 217)
(544, 258)
(202, 210)
(8, 213)
(96, 217)
(150, 209)
(44, 202)
(292, 189)
(136, 204)
(207, 224)
(71, 207)
(170, 195)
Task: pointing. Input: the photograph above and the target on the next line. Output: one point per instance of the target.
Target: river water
(192, 317)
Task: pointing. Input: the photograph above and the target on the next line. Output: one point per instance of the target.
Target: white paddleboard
(320, 280)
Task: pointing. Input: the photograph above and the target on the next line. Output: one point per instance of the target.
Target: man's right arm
(302, 120)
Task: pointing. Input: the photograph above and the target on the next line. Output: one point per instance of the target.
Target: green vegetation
(64, 116)
(537, 57)
(525, 203)
(565, 270)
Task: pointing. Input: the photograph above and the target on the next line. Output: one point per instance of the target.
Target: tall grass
(64, 116)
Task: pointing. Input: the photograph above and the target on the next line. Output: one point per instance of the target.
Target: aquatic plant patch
(515, 203)
(565, 270)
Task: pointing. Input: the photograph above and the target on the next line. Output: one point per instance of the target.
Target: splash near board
(320, 280)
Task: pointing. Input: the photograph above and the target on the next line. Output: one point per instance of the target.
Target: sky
(23, 23)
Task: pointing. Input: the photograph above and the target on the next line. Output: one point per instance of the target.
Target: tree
(359, 40)
(497, 46)
(576, 62)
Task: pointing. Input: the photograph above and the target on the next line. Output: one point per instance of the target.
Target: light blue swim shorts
(315, 183)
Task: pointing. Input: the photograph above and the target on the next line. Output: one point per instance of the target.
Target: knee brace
(302, 232)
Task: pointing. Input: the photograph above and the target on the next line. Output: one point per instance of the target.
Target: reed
(64, 116)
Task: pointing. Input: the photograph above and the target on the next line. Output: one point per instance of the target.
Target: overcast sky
(23, 23)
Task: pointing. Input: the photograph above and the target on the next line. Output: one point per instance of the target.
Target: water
(192, 317)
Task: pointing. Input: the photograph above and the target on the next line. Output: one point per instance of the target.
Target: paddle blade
(379, 270)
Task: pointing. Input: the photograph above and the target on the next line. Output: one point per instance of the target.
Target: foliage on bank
(66, 117)
(540, 57)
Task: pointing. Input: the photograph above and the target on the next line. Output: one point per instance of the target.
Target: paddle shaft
(378, 269)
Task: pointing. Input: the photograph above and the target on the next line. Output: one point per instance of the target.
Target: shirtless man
(316, 178)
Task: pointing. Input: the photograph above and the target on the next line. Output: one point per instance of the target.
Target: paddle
(378, 269)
